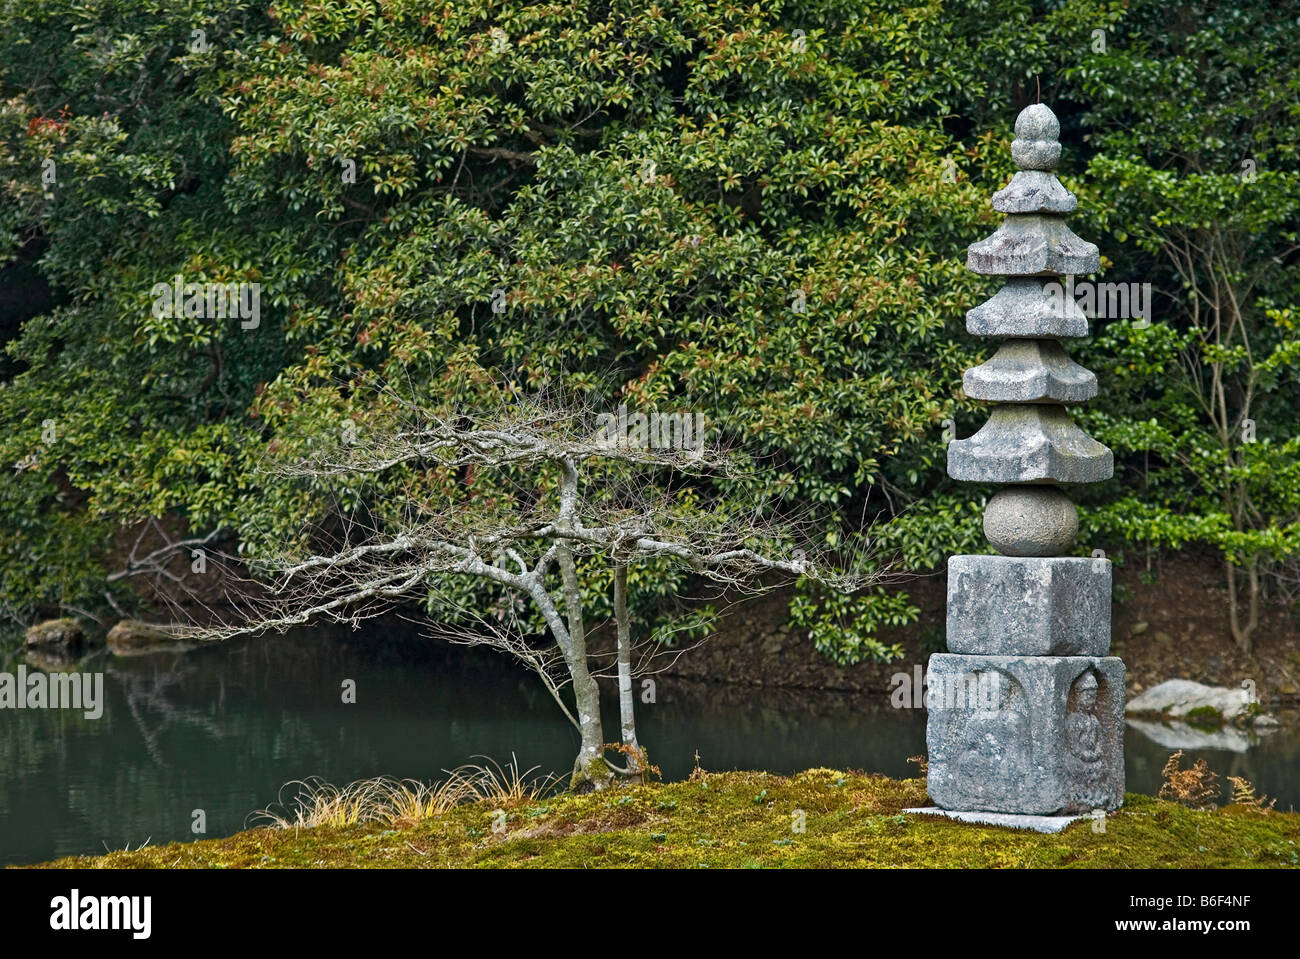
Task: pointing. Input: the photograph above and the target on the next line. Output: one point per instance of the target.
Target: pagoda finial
(1037, 145)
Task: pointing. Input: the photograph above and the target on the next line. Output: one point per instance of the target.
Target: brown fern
(1196, 788)
(1243, 794)
(698, 772)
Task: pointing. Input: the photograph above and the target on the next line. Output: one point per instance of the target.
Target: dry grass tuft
(402, 801)
(504, 785)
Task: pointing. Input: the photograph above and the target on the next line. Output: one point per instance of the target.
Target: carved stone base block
(1028, 605)
(1032, 735)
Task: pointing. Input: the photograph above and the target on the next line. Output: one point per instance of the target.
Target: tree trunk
(626, 698)
(589, 769)
(1243, 634)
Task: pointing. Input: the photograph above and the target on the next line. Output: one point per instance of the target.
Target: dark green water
(224, 728)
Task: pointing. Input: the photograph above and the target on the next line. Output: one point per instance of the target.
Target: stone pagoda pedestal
(1026, 710)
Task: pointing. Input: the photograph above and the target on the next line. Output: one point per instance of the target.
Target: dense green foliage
(756, 212)
(1196, 127)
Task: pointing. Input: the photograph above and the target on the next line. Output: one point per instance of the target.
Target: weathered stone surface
(1037, 122)
(1031, 521)
(1046, 824)
(1178, 698)
(1030, 244)
(1037, 143)
(1034, 191)
(1029, 735)
(1028, 605)
(1024, 308)
(1030, 371)
(1029, 444)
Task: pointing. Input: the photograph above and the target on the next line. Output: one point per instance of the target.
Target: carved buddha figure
(1083, 734)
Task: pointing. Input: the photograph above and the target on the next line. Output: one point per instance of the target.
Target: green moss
(817, 818)
(1204, 717)
(592, 772)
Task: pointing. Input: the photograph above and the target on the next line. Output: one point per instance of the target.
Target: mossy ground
(745, 819)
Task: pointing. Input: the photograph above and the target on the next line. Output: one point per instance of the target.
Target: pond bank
(745, 820)
(223, 728)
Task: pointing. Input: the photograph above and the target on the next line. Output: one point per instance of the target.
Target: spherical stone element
(1031, 521)
(1038, 122)
(1036, 146)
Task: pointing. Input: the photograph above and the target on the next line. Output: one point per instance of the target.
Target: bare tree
(157, 564)
(527, 494)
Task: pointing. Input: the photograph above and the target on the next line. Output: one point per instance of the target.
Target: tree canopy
(756, 212)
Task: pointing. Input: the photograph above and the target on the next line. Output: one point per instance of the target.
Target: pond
(223, 728)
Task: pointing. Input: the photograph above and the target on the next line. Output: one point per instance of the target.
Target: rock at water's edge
(56, 636)
(133, 636)
(1183, 698)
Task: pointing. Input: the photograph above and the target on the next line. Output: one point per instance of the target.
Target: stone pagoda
(1026, 708)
